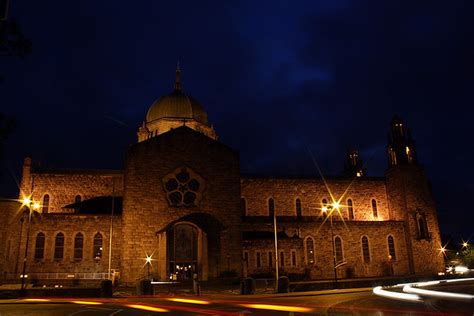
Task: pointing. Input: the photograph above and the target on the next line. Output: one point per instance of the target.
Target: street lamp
(276, 249)
(111, 230)
(325, 209)
(148, 263)
(32, 206)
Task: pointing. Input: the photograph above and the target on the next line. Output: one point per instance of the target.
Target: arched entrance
(189, 245)
(182, 251)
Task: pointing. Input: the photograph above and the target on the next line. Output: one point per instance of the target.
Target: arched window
(271, 207)
(258, 259)
(77, 199)
(350, 209)
(365, 249)
(246, 258)
(293, 258)
(391, 247)
(324, 207)
(59, 246)
(298, 208)
(282, 258)
(338, 249)
(374, 209)
(39, 247)
(392, 157)
(422, 227)
(45, 203)
(78, 245)
(243, 207)
(97, 246)
(309, 250)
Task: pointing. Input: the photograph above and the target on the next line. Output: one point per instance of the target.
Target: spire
(401, 147)
(353, 166)
(177, 84)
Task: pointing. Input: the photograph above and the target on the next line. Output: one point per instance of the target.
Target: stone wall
(8, 210)
(148, 212)
(69, 225)
(410, 196)
(63, 186)
(351, 234)
(311, 192)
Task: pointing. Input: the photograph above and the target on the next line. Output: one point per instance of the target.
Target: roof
(78, 171)
(98, 205)
(261, 235)
(177, 105)
(305, 177)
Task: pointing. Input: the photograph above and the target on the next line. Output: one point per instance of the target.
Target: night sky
(276, 78)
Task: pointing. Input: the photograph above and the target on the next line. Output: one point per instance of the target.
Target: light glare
(36, 300)
(282, 308)
(86, 303)
(148, 308)
(26, 201)
(184, 300)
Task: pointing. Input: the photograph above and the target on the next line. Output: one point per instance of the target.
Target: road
(361, 302)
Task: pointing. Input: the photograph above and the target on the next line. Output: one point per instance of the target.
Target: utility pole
(333, 252)
(111, 226)
(276, 250)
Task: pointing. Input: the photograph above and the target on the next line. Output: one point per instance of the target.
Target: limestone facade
(182, 202)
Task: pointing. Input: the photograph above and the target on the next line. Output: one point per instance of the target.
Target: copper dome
(177, 105)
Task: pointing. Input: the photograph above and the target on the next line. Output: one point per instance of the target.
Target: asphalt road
(355, 303)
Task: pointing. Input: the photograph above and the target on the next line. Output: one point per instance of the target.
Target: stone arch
(202, 231)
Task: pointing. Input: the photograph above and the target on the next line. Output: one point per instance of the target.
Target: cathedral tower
(411, 201)
(353, 166)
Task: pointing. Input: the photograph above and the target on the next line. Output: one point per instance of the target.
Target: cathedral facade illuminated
(181, 202)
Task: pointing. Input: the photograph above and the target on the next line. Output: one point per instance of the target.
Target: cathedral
(181, 208)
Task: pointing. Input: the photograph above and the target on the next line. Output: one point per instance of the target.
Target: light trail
(190, 301)
(439, 294)
(148, 308)
(396, 295)
(415, 294)
(86, 302)
(35, 300)
(281, 308)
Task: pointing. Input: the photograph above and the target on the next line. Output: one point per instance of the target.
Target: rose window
(183, 187)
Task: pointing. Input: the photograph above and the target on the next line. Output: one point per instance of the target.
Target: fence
(61, 276)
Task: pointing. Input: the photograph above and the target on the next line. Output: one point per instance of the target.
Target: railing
(62, 276)
(265, 285)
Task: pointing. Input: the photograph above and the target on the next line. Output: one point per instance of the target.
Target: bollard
(144, 287)
(106, 288)
(283, 284)
(247, 286)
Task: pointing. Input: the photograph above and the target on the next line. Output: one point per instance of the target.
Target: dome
(177, 105)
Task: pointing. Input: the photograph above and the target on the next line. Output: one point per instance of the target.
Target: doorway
(182, 252)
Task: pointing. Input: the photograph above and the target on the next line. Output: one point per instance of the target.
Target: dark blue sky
(275, 78)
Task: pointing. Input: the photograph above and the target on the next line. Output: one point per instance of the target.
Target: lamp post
(276, 250)
(148, 264)
(32, 206)
(111, 230)
(334, 206)
(22, 220)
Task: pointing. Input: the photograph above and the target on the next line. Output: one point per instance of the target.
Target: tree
(467, 256)
(7, 125)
